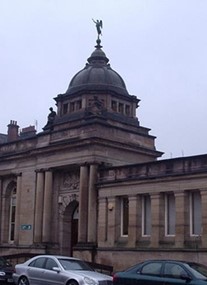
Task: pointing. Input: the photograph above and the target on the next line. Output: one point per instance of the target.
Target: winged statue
(99, 26)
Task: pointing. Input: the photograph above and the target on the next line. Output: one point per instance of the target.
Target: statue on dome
(99, 26)
(51, 115)
(50, 120)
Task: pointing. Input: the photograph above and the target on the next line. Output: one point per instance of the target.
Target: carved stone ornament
(71, 181)
(65, 200)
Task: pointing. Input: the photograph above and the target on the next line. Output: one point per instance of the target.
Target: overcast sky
(159, 47)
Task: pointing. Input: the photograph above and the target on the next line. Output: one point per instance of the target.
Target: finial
(99, 26)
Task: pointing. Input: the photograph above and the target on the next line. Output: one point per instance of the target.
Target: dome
(97, 75)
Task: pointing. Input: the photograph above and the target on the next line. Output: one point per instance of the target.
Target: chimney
(28, 132)
(13, 131)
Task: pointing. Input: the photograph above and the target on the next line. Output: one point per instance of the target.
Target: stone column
(92, 204)
(139, 217)
(104, 207)
(83, 205)
(4, 218)
(113, 218)
(134, 107)
(1, 209)
(156, 218)
(39, 198)
(132, 234)
(180, 210)
(203, 193)
(47, 208)
(17, 211)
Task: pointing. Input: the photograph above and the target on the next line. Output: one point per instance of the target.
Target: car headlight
(90, 281)
(2, 273)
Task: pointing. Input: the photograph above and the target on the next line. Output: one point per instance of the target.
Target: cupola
(96, 110)
(97, 75)
(96, 90)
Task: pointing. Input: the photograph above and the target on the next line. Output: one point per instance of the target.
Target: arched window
(195, 214)
(12, 215)
(146, 215)
(169, 214)
(124, 216)
(8, 207)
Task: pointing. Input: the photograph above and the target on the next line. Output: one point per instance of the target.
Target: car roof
(57, 256)
(165, 259)
(142, 263)
(168, 260)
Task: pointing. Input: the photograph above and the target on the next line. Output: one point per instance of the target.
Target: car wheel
(23, 281)
(72, 282)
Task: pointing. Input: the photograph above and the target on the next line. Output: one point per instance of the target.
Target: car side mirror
(57, 269)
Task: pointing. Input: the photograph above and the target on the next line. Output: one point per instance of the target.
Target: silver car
(62, 270)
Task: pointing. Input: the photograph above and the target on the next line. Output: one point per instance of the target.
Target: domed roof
(97, 75)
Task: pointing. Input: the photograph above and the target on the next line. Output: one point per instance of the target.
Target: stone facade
(90, 185)
(179, 177)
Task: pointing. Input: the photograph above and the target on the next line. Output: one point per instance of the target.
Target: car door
(51, 276)
(35, 271)
(173, 274)
(150, 273)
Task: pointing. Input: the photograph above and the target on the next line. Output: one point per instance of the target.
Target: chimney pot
(13, 131)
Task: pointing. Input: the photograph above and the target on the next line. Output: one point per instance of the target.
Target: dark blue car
(6, 271)
(163, 272)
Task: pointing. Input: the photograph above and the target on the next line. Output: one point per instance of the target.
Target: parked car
(6, 271)
(58, 270)
(168, 272)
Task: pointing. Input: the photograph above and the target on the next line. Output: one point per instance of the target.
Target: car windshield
(70, 264)
(198, 270)
(4, 262)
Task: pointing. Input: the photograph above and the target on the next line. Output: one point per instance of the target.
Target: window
(174, 270)
(72, 106)
(146, 215)
(12, 215)
(124, 216)
(121, 108)
(78, 104)
(50, 263)
(70, 264)
(195, 213)
(152, 268)
(114, 106)
(169, 214)
(127, 110)
(38, 263)
(65, 108)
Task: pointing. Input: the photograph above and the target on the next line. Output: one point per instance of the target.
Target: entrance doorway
(74, 229)
(70, 228)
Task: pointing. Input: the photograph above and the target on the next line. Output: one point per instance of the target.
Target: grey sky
(159, 47)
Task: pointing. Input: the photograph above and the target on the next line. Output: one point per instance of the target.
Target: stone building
(90, 185)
